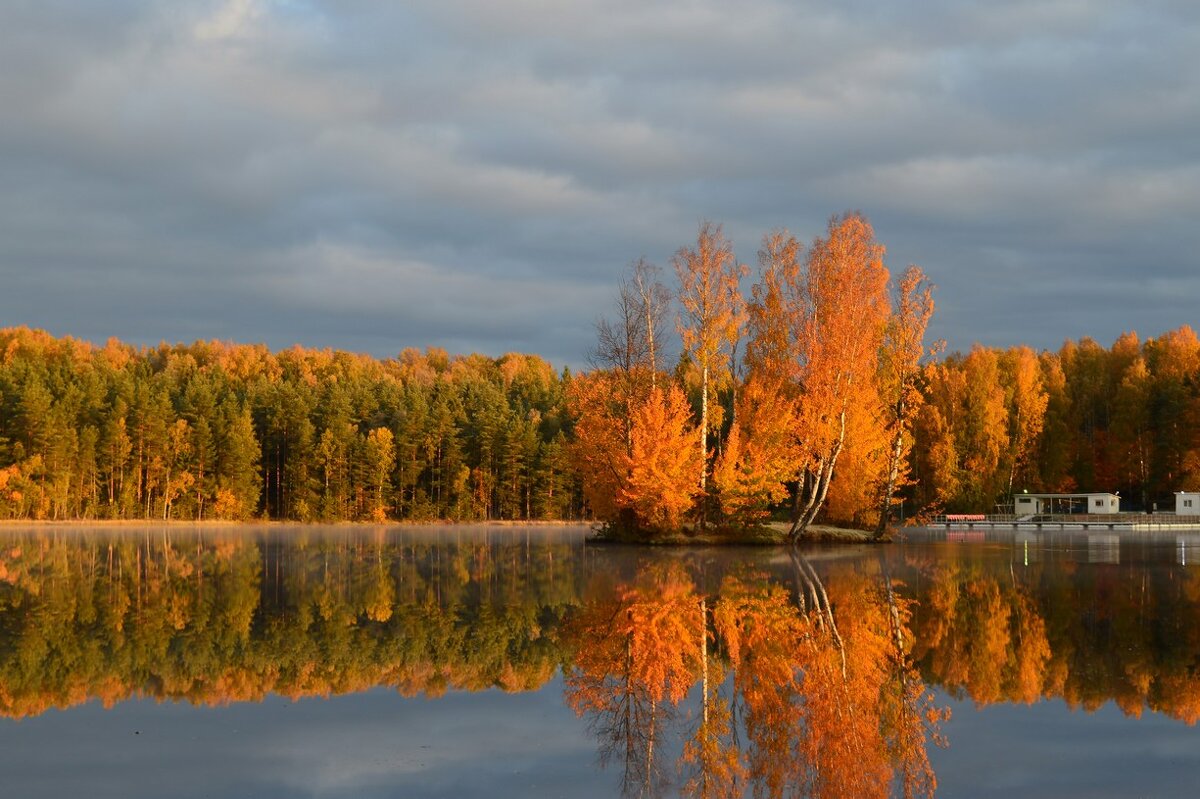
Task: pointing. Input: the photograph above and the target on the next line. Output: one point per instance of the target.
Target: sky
(477, 175)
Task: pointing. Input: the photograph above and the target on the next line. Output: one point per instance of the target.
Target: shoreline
(772, 534)
(282, 523)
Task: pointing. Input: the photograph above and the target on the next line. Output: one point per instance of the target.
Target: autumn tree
(899, 379)
(379, 460)
(1027, 409)
(841, 322)
(760, 453)
(660, 486)
(643, 478)
(711, 315)
(1131, 429)
(600, 450)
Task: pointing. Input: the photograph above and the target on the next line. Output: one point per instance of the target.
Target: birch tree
(712, 312)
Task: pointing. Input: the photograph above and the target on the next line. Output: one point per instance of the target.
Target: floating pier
(1085, 521)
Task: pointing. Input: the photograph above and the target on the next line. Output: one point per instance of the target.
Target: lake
(518, 661)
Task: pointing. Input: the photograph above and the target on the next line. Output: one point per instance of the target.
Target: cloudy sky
(475, 174)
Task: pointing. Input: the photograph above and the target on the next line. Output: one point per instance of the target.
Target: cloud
(293, 170)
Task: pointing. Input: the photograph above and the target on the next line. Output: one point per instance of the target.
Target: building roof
(1068, 496)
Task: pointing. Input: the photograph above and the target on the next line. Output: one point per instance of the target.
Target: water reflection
(719, 672)
(1062, 624)
(215, 617)
(828, 703)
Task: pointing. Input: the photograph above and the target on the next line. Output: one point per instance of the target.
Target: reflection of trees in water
(214, 616)
(1087, 634)
(823, 713)
(637, 652)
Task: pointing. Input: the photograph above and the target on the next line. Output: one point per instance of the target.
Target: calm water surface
(510, 661)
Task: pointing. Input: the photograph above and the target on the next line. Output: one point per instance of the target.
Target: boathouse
(1026, 504)
(1187, 503)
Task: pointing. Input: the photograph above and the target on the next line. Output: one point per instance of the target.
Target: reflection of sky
(1048, 750)
(493, 744)
(373, 744)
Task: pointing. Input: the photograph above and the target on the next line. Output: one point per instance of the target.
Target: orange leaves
(650, 472)
(840, 312)
(710, 297)
(713, 313)
(1027, 408)
(899, 375)
(600, 449)
(760, 454)
(662, 462)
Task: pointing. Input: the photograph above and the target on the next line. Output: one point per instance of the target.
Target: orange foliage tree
(760, 453)
(662, 464)
(712, 314)
(1027, 409)
(820, 329)
(600, 450)
(899, 380)
(643, 479)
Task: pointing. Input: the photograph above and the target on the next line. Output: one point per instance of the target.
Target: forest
(810, 396)
(225, 431)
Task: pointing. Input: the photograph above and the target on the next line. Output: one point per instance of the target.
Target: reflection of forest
(215, 616)
(1087, 633)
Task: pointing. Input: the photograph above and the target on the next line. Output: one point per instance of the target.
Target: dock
(1157, 522)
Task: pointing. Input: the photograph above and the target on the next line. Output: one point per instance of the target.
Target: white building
(1187, 503)
(1036, 504)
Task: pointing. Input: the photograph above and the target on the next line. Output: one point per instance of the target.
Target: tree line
(811, 396)
(225, 431)
(1123, 419)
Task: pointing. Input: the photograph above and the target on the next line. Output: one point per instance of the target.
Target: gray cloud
(474, 175)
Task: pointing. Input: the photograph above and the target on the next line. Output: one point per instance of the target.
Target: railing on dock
(1062, 521)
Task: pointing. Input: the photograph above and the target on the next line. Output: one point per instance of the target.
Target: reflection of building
(1187, 503)
(1038, 504)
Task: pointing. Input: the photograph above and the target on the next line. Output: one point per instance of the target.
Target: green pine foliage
(224, 431)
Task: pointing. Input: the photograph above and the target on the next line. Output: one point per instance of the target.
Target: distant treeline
(1124, 419)
(222, 431)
